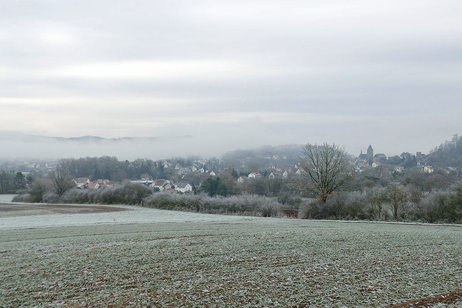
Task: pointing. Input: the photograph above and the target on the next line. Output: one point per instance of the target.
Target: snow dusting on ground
(135, 214)
(6, 198)
(148, 257)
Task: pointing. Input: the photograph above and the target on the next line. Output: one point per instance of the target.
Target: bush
(441, 206)
(51, 197)
(290, 200)
(331, 209)
(127, 193)
(243, 205)
(357, 207)
(352, 205)
(22, 198)
(437, 206)
(37, 190)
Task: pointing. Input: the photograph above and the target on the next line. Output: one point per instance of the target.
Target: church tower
(370, 155)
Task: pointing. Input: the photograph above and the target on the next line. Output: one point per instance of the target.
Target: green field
(243, 263)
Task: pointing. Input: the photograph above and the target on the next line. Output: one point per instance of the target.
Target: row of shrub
(443, 206)
(377, 204)
(252, 205)
(136, 194)
(127, 193)
(438, 206)
(351, 205)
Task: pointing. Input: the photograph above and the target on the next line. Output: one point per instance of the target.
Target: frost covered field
(203, 260)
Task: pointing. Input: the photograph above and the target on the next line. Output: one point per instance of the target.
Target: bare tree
(62, 181)
(38, 189)
(398, 198)
(377, 197)
(327, 169)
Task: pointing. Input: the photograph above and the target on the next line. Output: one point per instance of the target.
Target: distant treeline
(393, 203)
(137, 194)
(111, 168)
(11, 182)
(447, 154)
(252, 159)
(127, 193)
(383, 192)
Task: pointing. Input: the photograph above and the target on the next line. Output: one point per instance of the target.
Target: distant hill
(14, 145)
(282, 156)
(18, 136)
(447, 154)
(292, 150)
(96, 139)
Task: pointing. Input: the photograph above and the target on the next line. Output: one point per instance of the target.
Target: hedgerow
(127, 193)
(243, 205)
(436, 206)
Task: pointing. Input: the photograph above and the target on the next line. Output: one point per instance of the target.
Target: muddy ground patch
(34, 209)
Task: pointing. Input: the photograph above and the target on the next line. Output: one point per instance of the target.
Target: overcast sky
(235, 74)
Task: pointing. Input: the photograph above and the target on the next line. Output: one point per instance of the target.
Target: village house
(380, 157)
(202, 161)
(162, 184)
(428, 169)
(144, 182)
(93, 185)
(184, 187)
(254, 175)
(104, 183)
(81, 182)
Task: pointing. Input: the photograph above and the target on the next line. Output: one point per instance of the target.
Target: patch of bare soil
(445, 298)
(32, 209)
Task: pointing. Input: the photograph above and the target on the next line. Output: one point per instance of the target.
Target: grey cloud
(331, 58)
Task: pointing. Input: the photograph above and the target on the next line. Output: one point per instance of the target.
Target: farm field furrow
(243, 263)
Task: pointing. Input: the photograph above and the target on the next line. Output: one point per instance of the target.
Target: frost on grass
(133, 214)
(249, 263)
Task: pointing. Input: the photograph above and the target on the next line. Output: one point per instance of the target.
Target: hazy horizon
(230, 75)
(43, 147)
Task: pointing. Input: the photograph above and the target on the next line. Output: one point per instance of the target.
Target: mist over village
(361, 183)
(230, 153)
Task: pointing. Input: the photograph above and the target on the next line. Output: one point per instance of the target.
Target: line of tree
(11, 182)
(447, 154)
(411, 195)
(111, 168)
(328, 177)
